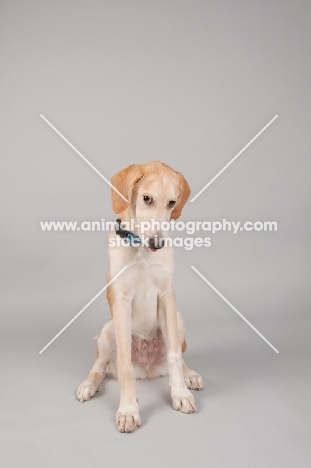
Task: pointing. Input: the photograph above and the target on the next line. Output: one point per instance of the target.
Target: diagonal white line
(235, 310)
(233, 159)
(83, 157)
(82, 310)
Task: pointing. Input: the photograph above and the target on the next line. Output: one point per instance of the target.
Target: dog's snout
(156, 242)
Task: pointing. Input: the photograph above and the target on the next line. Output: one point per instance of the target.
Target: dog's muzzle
(156, 243)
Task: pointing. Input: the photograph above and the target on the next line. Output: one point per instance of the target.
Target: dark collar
(129, 237)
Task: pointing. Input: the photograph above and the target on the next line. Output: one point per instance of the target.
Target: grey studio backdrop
(188, 83)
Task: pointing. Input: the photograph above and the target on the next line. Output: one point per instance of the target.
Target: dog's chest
(147, 275)
(147, 283)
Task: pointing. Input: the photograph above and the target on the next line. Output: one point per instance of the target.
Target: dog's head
(154, 192)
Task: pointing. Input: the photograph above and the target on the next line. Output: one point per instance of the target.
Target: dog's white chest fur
(146, 282)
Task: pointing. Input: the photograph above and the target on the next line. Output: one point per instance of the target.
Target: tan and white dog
(146, 336)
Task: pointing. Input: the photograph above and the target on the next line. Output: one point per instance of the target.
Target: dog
(145, 337)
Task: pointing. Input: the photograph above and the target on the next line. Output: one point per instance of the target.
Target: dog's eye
(171, 203)
(148, 200)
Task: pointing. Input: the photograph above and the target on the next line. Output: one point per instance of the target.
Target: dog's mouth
(155, 243)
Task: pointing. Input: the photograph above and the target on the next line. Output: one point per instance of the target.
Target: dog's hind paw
(193, 380)
(86, 390)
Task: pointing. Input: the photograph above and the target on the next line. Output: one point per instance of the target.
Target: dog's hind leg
(193, 380)
(105, 351)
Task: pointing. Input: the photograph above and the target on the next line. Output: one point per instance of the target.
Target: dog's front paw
(86, 390)
(128, 418)
(183, 401)
(194, 381)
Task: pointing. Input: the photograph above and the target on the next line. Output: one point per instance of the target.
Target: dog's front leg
(127, 416)
(182, 398)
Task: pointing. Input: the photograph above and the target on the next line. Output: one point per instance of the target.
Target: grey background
(189, 83)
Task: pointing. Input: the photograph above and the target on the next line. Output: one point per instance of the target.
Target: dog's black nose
(156, 242)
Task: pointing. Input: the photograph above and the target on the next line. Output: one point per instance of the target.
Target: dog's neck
(127, 215)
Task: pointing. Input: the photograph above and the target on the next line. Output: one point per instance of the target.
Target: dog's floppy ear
(184, 192)
(124, 182)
